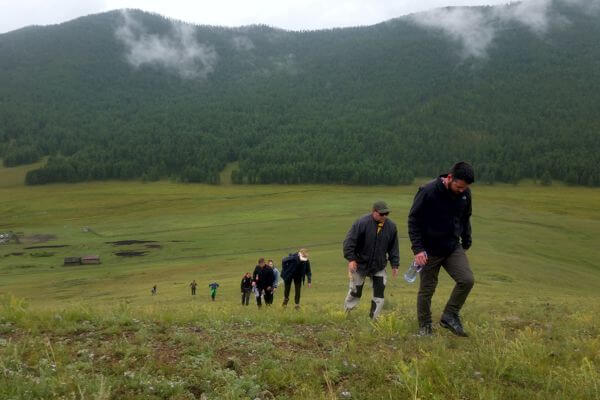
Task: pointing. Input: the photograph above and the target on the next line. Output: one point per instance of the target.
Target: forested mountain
(135, 95)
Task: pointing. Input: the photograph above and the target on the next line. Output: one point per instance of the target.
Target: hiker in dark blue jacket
(295, 267)
(266, 280)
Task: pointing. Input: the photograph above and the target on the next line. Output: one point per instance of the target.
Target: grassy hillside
(95, 332)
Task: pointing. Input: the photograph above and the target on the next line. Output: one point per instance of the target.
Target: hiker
(369, 244)
(295, 267)
(213, 290)
(439, 228)
(255, 277)
(153, 290)
(193, 287)
(275, 273)
(266, 277)
(246, 288)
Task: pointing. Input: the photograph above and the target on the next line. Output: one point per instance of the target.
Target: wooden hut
(90, 259)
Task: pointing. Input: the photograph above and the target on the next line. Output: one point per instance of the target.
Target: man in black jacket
(370, 242)
(256, 277)
(439, 228)
(266, 279)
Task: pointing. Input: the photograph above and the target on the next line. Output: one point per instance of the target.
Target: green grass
(94, 332)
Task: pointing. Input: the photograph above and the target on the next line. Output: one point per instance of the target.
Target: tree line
(369, 105)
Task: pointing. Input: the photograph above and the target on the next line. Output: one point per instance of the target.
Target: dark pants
(268, 297)
(259, 299)
(193, 291)
(297, 289)
(457, 266)
(246, 297)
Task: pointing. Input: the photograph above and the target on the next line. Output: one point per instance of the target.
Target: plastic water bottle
(411, 274)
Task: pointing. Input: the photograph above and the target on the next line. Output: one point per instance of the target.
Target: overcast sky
(287, 14)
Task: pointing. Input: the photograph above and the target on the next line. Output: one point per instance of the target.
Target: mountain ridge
(300, 107)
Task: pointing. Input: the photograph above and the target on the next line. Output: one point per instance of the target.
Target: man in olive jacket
(370, 242)
(439, 228)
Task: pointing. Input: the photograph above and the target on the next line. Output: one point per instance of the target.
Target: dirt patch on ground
(130, 242)
(46, 247)
(37, 238)
(13, 254)
(153, 246)
(130, 253)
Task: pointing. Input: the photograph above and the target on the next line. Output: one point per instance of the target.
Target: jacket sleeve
(466, 225)
(393, 251)
(350, 242)
(415, 218)
(308, 271)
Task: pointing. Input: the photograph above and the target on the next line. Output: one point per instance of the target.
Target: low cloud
(242, 43)
(466, 25)
(476, 27)
(178, 51)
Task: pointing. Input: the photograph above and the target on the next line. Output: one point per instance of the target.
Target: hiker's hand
(309, 284)
(352, 266)
(421, 258)
(395, 272)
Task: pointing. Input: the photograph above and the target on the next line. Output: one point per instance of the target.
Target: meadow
(95, 332)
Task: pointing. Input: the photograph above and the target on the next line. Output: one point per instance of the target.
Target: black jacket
(438, 219)
(256, 273)
(266, 278)
(370, 250)
(295, 267)
(246, 283)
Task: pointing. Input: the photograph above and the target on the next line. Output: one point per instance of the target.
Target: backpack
(287, 263)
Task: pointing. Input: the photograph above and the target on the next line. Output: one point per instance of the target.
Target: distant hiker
(213, 290)
(246, 288)
(193, 287)
(295, 267)
(370, 243)
(266, 279)
(439, 228)
(275, 273)
(255, 277)
(153, 290)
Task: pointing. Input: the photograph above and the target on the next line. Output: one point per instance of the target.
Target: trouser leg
(427, 283)
(297, 289)
(457, 266)
(357, 282)
(258, 298)
(286, 291)
(379, 281)
(268, 297)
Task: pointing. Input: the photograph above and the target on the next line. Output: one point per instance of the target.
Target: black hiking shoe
(425, 331)
(453, 324)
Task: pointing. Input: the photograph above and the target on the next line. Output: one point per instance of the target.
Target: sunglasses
(383, 214)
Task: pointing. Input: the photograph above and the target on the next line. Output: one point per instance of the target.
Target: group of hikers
(266, 276)
(439, 229)
(193, 285)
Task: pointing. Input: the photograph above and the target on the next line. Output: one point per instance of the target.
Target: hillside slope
(134, 95)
